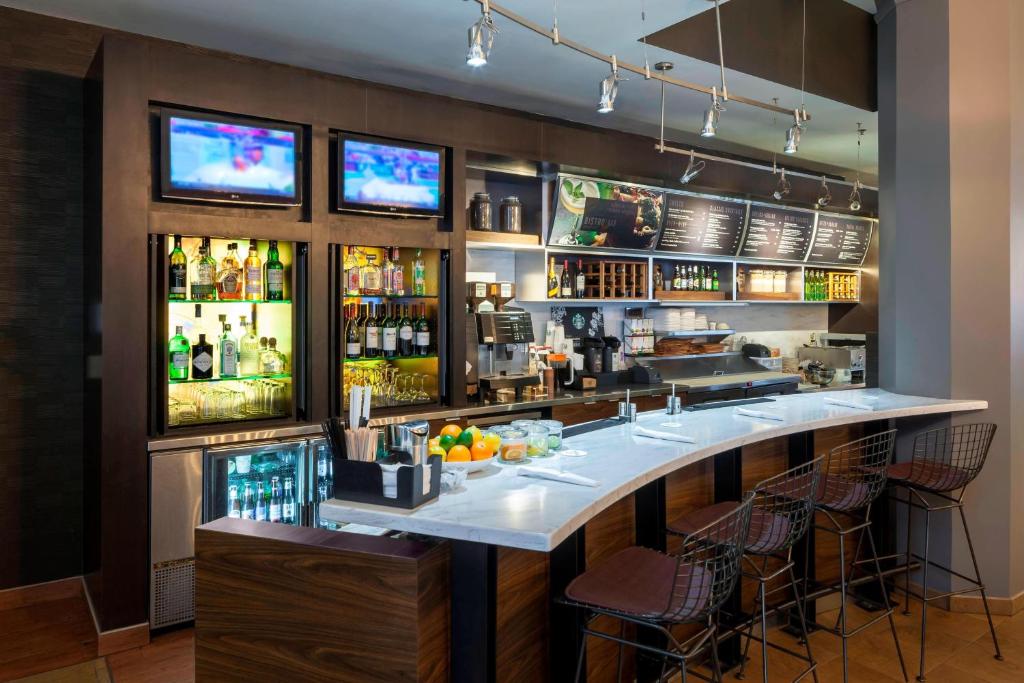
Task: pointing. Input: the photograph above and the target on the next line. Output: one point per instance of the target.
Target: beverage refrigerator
(193, 486)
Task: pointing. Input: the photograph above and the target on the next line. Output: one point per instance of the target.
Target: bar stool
(782, 512)
(944, 461)
(854, 477)
(657, 591)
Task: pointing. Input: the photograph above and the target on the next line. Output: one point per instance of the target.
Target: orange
(459, 454)
(481, 451)
(452, 431)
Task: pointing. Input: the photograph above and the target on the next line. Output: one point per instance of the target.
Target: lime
(446, 442)
(466, 438)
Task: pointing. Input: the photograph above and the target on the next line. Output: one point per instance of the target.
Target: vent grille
(174, 592)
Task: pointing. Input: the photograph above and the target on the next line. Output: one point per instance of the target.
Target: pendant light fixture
(609, 89)
(794, 132)
(693, 169)
(825, 195)
(662, 68)
(855, 193)
(711, 116)
(481, 37)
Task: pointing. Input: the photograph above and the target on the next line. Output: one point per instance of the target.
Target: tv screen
(219, 158)
(384, 176)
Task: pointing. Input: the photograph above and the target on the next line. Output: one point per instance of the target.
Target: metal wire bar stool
(944, 462)
(853, 478)
(657, 591)
(782, 511)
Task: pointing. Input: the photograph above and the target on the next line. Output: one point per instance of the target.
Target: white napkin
(848, 404)
(764, 414)
(667, 436)
(555, 475)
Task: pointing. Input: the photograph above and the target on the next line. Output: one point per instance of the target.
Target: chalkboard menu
(702, 225)
(777, 233)
(841, 240)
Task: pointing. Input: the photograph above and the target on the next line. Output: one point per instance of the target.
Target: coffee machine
(501, 330)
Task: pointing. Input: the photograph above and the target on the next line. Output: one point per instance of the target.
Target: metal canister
(480, 212)
(511, 214)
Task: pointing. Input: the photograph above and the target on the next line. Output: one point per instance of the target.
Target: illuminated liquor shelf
(387, 358)
(425, 297)
(228, 301)
(240, 378)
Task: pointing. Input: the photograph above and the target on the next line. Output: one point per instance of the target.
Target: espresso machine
(844, 353)
(501, 330)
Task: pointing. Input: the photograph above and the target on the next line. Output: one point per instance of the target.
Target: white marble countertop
(497, 507)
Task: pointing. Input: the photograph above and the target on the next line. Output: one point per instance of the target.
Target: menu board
(777, 233)
(596, 213)
(841, 240)
(702, 225)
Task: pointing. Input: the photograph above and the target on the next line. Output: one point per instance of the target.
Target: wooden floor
(53, 642)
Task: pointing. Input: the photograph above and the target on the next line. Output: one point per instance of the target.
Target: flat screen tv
(377, 175)
(217, 158)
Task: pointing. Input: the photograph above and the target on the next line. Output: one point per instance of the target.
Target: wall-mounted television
(392, 177)
(237, 160)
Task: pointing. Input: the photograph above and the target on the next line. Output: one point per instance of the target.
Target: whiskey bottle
(202, 359)
(177, 286)
(229, 277)
(178, 356)
(275, 274)
(203, 274)
(422, 340)
(253, 274)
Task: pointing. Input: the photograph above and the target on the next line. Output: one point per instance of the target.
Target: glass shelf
(240, 378)
(227, 301)
(390, 296)
(386, 358)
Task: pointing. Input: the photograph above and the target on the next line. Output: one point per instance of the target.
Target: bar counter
(497, 507)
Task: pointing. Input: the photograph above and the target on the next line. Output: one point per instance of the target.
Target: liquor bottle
(705, 278)
(253, 274)
(248, 503)
(228, 353)
(677, 278)
(419, 275)
(177, 272)
(202, 359)
(275, 501)
(198, 325)
(714, 280)
(389, 333)
(261, 503)
(552, 280)
(288, 502)
(371, 277)
(352, 347)
(566, 281)
(203, 273)
(234, 505)
(581, 280)
(422, 340)
(397, 275)
(659, 278)
(387, 273)
(275, 274)
(248, 350)
(352, 279)
(177, 348)
(405, 341)
(229, 277)
(371, 334)
(272, 361)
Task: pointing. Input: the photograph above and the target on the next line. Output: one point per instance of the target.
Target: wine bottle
(177, 348)
(371, 334)
(405, 341)
(275, 274)
(422, 345)
(202, 359)
(389, 333)
(566, 281)
(581, 280)
(253, 273)
(177, 287)
(552, 280)
(352, 347)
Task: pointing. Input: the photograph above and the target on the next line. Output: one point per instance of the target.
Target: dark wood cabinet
(575, 413)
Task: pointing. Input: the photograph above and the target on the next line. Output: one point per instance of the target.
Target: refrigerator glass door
(265, 482)
(321, 469)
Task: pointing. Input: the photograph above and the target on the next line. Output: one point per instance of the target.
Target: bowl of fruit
(466, 449)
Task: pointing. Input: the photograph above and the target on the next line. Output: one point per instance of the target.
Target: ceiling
(421, 44)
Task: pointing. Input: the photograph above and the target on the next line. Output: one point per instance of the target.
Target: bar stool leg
(622, 635)
(906, 575)
(888, 605)
(977, 575)
(741, 674)
(764, 629)
(803, 623)
(842, 605)
(716, 666)
(579, 660)
(924, 591)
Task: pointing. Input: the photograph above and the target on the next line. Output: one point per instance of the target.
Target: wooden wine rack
(615, 280)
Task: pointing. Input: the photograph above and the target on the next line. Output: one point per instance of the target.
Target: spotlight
(855, 196)
(825, 196)
(711, 116)
(793, 134)
(609, 89)
(693, 169)
(783, 188)
(481, 37)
